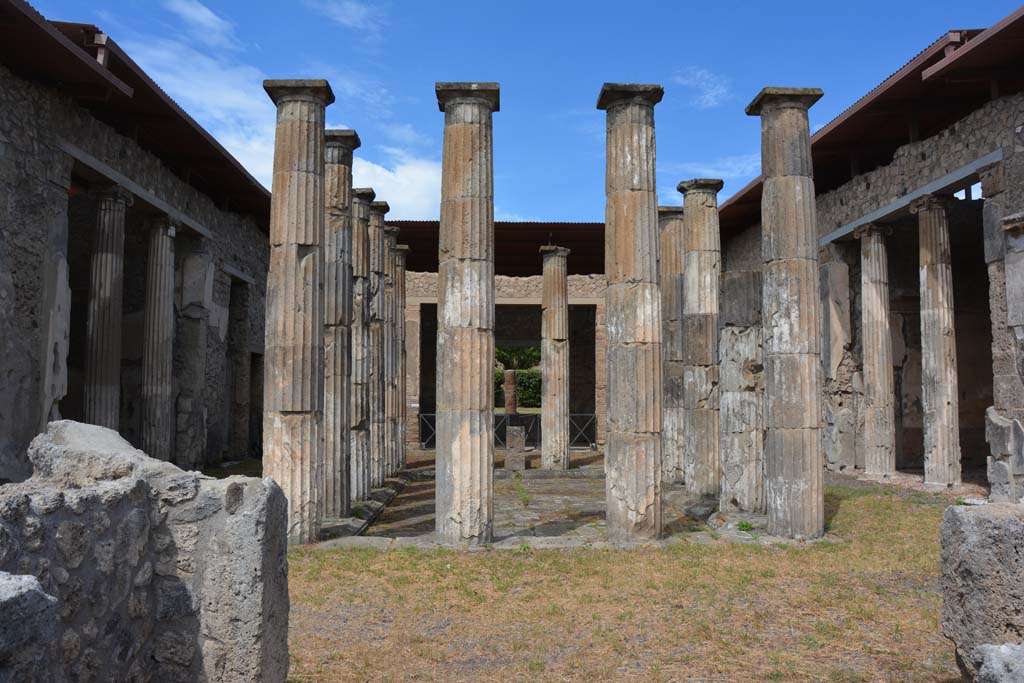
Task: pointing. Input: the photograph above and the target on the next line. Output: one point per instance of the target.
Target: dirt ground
(865, 608)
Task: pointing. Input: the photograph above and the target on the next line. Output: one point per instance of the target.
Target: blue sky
(382, 59)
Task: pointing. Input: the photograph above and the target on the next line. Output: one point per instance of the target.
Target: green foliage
(744, 525)
(527, 388)
(517, 357)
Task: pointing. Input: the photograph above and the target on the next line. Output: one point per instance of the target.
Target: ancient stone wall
(158, 574)
(36, 233)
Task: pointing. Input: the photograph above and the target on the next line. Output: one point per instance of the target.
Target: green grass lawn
(862, 609)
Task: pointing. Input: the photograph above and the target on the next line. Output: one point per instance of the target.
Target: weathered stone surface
(402, 349)
(158, 351)
(999, 663)
(633, 454)
(361, 297)
(793, 456)
(554, 360)
(158, 573)
(465, 343)
(27, 630)
(378, 337)
(939, 394)
(740, 298)
(1005, 438)
(294, 382)
(982, 578)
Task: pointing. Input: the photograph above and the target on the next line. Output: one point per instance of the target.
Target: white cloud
(206, 26)
(351, 14)
(412, 187)
(741, 166)
(710, 89)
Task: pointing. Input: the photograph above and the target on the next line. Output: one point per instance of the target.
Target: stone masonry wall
(35, 177)
(159, 574)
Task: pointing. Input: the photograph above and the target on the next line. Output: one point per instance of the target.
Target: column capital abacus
(114, 193)
(552, 250)
(872, 229)
(671, 211)
(783, 98)
(315, 90)
(163, 222)
(364, 194)
(930, 202)
(487, 93)
(380, 208)
(345, 138)
(615, 94)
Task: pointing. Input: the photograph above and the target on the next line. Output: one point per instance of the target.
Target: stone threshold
(577, 473)
(337, 528)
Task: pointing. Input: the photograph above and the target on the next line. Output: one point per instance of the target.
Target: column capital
(163, 222)
(380, 208)
(401, 252)
(291, 89)
(344, 139)
(867, 229)
(783, 98)
(115, 193)
(552, 250)
(713, 185)
(671, 211)
(364, 194)
(1013, 223)
(929, 202)
(612, 94)
(488, 93)
(391, 232)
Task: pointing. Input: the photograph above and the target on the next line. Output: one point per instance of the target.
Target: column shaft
(378, 340)
(340, 145)
(879, 391)
(792, 319)
(633, 459)
(294, 380)
(465, 336)
(103, 342)
(158, 423)
(361, 297)
(939, 391)
(412, 374)
(554, 360)
(390, 354)
(670, 279)
(401, 252)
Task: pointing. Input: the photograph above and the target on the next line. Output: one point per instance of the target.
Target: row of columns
(332, 336)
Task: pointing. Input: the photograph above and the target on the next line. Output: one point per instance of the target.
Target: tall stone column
(670, 282)
(106, 286)
(390, 352)
(600, 373)
(879, 392)
(401, 254)
(939, 391)
(794, 466)
(465, 316)
(340, 144)
(158, 420)
(378, 341)
(190, 345)
(240, 359)
(633, 463)
(294, 380)
(554, 360)
(361, 297)
(412, 374)
(702, 265)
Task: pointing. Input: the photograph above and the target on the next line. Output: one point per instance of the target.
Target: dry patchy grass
(864, 609)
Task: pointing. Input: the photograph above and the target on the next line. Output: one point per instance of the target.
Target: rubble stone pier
(939, 390)
(361, 296)
(670, 280)
(465, 334)
(702, 265)
(554, 360)
(293, 365)
(158, 419)
(794, 466)
(401, 254)
(879, 389)
(106, 285)
(340, 144)
(633, 315)
(390, 352)
(378, 308)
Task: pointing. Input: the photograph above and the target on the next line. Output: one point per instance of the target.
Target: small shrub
(744, 525)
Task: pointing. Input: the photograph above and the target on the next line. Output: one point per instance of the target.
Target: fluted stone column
(390, 353)
(340, 144)
(879, 392)
(792, 319)
(939, 394)
(294, 380)
(633, 462)
(401, 254)
(465, 316)
(106, 286)
(702, 265)
(378, 339)
(670, 283)
(361, 297)
(413, 313)
(554, 360)
(158, 420)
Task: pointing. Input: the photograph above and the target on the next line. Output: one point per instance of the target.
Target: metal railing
(582, 430)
